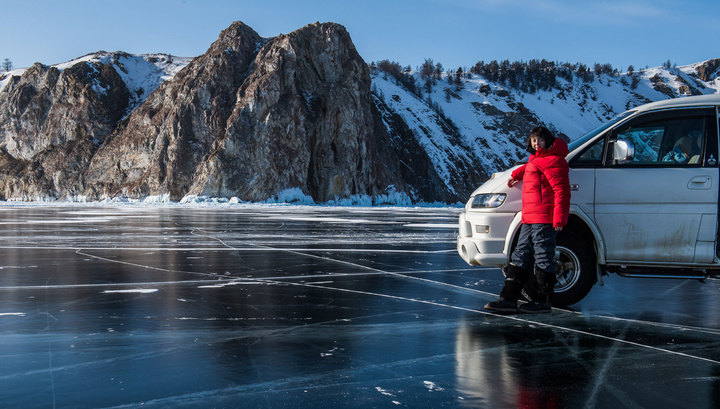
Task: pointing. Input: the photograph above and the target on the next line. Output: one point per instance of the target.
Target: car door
(582, 175)
(661, 206)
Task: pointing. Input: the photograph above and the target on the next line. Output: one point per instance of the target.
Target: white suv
(644, 201)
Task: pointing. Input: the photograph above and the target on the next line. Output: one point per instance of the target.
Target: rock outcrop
(709, 70)
(159, 147)
(249, 118)
(51, 123)
(304, 118)
(253, 117)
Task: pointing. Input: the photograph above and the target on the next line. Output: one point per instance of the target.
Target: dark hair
(543, 133)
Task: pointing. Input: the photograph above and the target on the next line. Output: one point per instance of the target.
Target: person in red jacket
(545, 209)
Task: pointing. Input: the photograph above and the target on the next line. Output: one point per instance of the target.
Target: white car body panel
(655, 214)
(638, 216)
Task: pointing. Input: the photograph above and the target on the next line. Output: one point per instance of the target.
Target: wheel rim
(568, 269)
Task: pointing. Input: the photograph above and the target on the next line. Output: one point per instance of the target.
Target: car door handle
(700, 183)
(574, 187)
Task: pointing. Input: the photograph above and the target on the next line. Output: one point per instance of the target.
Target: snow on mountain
(488, 121)
(466, 125)
(142, 74)
(432, 133)
(7, 75)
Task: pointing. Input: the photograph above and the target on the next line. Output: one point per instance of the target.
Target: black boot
(502, 305)
(530, 290)
(536, 306)
(545, 285)
(515, 278)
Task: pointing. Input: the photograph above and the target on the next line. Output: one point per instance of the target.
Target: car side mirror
(623, 151)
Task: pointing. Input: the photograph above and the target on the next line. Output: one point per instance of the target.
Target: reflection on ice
(244, 306)
(507, 365)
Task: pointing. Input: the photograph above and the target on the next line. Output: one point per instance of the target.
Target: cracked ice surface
(291, 306)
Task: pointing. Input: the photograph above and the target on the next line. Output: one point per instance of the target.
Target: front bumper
(481, 238)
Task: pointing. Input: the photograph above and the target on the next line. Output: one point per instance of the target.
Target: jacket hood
(558, 148)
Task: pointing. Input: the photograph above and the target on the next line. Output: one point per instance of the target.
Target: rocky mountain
(253, 117)
(54, 118)
(297, 116)
(250, 118)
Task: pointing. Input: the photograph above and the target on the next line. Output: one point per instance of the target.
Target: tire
(576, 269)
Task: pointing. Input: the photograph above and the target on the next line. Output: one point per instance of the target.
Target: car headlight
(488, 201)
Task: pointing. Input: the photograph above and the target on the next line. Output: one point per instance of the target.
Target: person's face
(537, 142)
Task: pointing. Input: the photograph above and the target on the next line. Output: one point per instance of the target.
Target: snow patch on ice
(16, 267)
(221, 285)
(322, 219)
(329, 353)
(431, 386)
(132, 291)
(12, 314)
(432, 225)
(105, 219)
(292, 195)
(208, 200)
(383, 391)
(165, 198)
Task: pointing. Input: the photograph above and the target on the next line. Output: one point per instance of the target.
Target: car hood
(497, 182)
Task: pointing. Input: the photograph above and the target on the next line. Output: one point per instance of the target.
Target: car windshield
(578, 142)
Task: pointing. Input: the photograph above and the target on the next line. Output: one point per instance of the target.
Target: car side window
(670, 142)
(593, 155)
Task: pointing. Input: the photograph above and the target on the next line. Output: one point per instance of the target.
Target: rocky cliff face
(51, 123)
(159, 147)
(302, 118)
(253, 117)
(708, 71)
(249, 118)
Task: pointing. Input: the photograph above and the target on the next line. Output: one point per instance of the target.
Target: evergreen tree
(427, 69)
(493, 71)
(7, 65)
(438, 71)
(400, 74)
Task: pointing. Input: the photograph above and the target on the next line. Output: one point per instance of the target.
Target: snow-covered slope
(142, 74)
(490, 120)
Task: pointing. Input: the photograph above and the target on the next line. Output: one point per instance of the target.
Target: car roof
(701, 100)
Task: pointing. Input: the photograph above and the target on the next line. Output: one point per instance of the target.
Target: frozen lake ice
(307, 306)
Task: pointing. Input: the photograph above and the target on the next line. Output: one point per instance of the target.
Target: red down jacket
(546, 186)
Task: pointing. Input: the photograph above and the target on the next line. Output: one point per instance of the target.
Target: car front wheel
(576, 270)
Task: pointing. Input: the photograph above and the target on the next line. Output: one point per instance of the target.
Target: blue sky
(453, 32)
